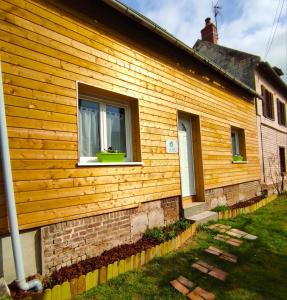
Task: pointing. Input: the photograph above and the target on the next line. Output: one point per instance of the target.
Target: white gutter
(11, 207)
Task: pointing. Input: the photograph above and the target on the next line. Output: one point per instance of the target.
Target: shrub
(220, 208)
(155, 233)
(166, 233)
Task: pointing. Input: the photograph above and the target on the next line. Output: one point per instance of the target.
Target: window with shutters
(281, 112)
(267, 103)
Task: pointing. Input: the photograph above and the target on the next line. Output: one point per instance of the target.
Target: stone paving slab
(224, 226)
(218, 274)
(204, 294)
(186, 282)
(238, 231)
(221, 237)
(194, 296)
(234, 234)
(228, 240)
(251, 237)
(210, 270)
(204, 264)
(200, 268)
(234, 242)
(221, 254)
(213, 251)
(179, 287)
(213, 226)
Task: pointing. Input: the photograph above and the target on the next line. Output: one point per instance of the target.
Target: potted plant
(237, 157)
(110, 155)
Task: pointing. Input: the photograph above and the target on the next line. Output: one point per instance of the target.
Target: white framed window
(235, 142)
(238, 144)
(103, 124)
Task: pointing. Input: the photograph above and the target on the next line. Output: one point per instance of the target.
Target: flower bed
(78, 278)
(250, 206)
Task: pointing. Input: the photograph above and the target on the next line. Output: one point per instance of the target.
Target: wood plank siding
(44, 51)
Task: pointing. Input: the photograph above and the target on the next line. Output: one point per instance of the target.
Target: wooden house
(82, 76)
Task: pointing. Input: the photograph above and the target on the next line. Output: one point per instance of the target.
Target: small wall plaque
(171, 146)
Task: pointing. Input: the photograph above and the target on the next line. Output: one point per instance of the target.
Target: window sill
(99, 164)
(240, 162)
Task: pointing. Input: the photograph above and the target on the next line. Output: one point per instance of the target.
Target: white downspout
(11, 207)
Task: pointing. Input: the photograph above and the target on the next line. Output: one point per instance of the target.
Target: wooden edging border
(76, 286)
(245, 210)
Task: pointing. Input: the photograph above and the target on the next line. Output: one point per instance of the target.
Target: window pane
(89, 128)
(234, 146)
(116, 128)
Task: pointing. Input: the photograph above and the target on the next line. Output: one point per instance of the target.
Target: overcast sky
(242, 24)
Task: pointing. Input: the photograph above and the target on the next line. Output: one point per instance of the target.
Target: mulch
(247, 202)
(106, 258)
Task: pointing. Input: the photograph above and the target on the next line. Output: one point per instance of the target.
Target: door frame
(197, 156)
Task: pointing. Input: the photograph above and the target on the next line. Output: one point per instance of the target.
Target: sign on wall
(171, 146)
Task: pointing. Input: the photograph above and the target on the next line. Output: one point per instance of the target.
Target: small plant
(155, 233)
(220, 208)
(111, 150)
(168, 232)
(237, 157)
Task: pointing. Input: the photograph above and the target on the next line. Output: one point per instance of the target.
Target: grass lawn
(261, 271)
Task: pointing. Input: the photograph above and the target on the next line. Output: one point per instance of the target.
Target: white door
(186, 156)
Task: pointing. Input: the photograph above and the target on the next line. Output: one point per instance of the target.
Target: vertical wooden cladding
(44, 52)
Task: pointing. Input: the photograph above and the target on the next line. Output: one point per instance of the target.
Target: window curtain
(89, 130)
(116, 133)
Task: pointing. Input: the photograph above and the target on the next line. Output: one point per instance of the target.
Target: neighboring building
(81, 76)
(271, 107)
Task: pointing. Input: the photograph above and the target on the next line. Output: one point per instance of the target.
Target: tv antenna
(216, 10)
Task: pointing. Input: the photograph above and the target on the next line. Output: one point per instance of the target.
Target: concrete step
(194, 208)
(204, 217)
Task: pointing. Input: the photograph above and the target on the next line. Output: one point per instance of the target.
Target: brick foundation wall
(232, 194)
(69, 242)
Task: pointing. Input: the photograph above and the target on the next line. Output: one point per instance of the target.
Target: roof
(144, 21)
(241, 65)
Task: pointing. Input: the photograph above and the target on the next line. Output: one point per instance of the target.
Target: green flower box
(237, 158)
(110, 157)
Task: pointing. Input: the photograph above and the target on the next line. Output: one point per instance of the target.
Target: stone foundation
(69, 242)
(232, 194)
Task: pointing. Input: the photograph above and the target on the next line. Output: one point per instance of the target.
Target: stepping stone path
(210, 270)
(187, 288)
(221, 254)
(225, 234)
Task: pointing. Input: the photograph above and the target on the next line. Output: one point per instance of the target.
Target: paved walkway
(225, 234)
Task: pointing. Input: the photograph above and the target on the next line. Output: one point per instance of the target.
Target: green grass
(259, 274)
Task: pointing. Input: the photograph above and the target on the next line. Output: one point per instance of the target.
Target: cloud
(243, 24)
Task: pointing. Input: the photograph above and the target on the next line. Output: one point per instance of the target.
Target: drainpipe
(11, 207)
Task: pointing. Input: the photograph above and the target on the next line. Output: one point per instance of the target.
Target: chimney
(209, 32)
